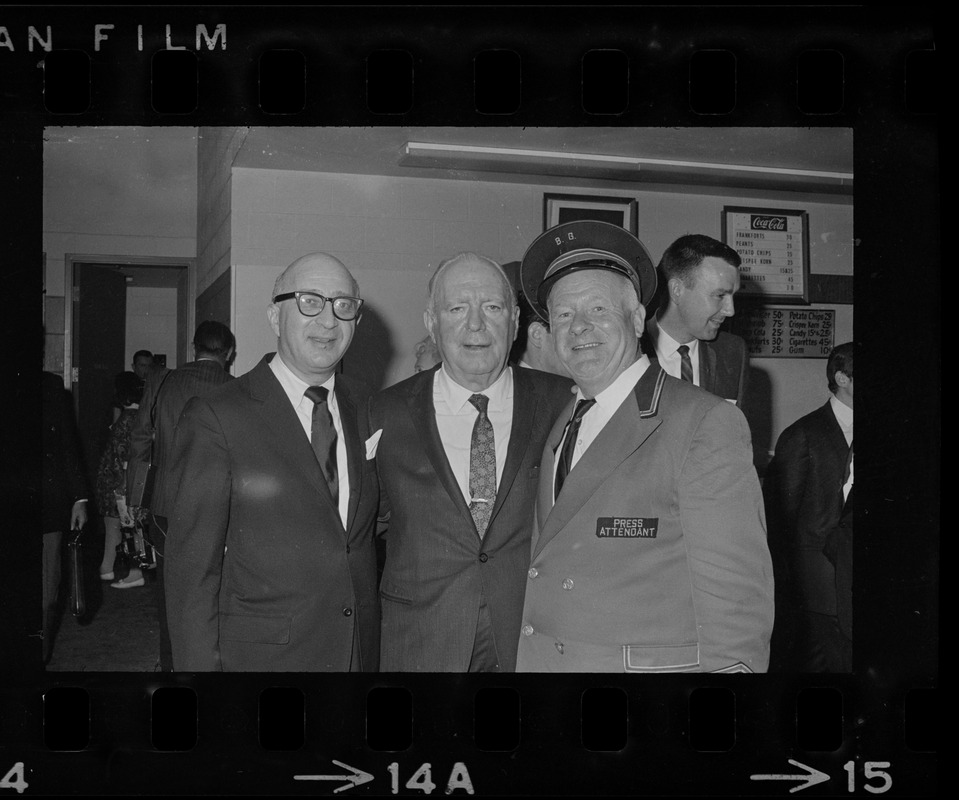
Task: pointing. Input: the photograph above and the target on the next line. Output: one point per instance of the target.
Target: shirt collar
(613, 395)
(294, 386)
(666, 345)
(500, 392)
(842, 411)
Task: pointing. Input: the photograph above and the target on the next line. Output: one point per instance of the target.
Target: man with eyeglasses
(270, 557)
(457, 451)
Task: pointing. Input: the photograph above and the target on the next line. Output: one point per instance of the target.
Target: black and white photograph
(503, 446)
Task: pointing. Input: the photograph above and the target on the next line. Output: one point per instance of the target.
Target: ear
(842, 379)
(639, 320)
(676, 288)
(428, 322)
(515, 316)
(273, 314)
(534, 333)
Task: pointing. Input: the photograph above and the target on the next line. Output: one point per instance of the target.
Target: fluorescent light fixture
(629, 168)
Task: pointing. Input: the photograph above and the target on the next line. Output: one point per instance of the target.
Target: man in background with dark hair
(164, 398)
(534, 347)
(701, 276)
(142, 363)
(807, 487)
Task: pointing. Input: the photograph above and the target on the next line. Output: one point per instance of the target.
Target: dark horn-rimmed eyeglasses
(311, 304)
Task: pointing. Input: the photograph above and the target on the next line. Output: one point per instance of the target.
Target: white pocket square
(371, 444)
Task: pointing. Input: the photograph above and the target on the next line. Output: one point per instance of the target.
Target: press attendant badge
(627, 527)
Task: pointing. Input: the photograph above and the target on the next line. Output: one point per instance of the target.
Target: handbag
(144, 472)
(78, 603)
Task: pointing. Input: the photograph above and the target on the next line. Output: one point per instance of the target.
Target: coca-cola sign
(765, 223)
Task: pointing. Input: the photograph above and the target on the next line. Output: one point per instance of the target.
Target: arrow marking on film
(356, 779)
(811, 778)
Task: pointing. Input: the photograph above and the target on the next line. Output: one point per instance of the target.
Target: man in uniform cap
(649, 544)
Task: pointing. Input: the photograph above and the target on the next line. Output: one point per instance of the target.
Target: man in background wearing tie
(270, 558)
(702, 275)
(457, 452)
(806, 488)
(649, 546)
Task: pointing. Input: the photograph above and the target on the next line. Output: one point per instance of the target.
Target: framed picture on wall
(774, 247)
(560, 208)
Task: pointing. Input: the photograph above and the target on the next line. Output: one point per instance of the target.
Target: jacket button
(533, 572)
(347, 549)
(483, 559)
(568, 584)
(347, 612)
(527, 630)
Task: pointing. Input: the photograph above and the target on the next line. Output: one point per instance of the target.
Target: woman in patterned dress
(111, 476)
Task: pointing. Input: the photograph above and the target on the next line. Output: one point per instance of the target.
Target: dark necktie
(569, 443)
(686, 368)
(323, 438)
(482, 466)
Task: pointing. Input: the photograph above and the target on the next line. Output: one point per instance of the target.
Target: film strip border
(556, 66)
(494, 735)
(462, 66)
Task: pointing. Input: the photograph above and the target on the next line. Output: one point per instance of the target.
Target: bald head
(312, 347)
(286, 280)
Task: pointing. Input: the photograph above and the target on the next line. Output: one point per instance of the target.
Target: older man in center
(457, 452)
(649, 548)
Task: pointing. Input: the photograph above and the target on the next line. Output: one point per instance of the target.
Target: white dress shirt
(456, 415)
(670, 360)
(843, 417)
(607, 403)
(295, 389)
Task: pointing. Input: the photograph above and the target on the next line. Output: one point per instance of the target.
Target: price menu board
(784, 332)
(774, 247)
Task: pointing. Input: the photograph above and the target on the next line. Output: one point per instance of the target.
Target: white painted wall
(391, 232)
(151, 323)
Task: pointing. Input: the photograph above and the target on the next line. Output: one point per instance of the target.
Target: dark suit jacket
(803, 491)
(260, 573)
(654, 557)
(63, 481)
(437, 568)
(723, 362)
(169, 391)
(838, 550)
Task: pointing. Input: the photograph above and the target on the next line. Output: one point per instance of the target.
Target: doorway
(120, 305)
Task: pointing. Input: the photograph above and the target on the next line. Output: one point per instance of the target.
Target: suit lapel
(525, 401)
(423, 413)
(279, 416)
(544, 496)
(707, 366)
(627, 430)
(354, 455)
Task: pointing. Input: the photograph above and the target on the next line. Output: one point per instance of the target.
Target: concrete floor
(119, 631)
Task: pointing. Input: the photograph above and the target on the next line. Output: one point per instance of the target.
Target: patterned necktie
(569, 444)
(482, 466)
(323, 438)
(686, 368)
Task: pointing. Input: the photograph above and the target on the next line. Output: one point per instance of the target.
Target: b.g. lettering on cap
(581, 245)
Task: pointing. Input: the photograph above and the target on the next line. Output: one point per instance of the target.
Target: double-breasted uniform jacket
(437, 569)
(723, 362)
(803, 489)
(261, 573)
(654, 557)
